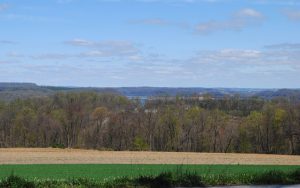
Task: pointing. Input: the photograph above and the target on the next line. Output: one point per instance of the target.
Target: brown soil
(79, 156)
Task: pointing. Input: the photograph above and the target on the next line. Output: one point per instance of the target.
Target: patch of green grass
(109, 171)
(164, 179)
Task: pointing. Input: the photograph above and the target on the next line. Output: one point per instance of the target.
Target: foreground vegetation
(113, 122)
(164, 179)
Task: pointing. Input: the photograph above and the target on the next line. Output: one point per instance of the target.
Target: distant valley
(12, 91)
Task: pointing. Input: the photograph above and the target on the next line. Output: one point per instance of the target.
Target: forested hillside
(113, 122)
(11, 91)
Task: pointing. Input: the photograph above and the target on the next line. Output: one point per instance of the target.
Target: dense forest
(114, 122)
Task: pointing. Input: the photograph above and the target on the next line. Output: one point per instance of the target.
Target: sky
(162, 43)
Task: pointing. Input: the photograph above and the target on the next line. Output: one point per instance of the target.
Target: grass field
(67, 167)
(101, 171)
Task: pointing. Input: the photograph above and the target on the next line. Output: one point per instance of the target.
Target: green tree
(139, 144)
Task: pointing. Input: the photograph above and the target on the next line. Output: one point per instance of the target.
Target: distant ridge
(17, 84)
(14, 90)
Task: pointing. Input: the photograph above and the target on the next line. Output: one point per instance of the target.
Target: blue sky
(174, 43)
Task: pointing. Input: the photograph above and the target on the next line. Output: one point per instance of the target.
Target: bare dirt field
(78, 156)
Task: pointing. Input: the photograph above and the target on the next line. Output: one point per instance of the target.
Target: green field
(101, 171)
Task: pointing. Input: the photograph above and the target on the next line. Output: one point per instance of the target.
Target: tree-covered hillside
(12, 91)
(113, 122)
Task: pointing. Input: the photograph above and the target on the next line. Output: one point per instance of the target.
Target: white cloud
(293, 15)
(240, 57)
(213, 67)
(153, 21)
(265, 69)
(51, 56)
(277, 2)
(110, 49)
(106, 48)
(7, 42)
(241, 19)
(161, 22)
(8, 62)
(14, 54)
(213, 26)
(287, 46)
(227, 56)
(32, 18)
(248, 12)
(3, 6)
(80, 42)
(224, 62)
(237, 54)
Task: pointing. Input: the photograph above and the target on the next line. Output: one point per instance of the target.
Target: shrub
(189, 179)
(168, 179)
(61, 146)
(13, 181)
(271, 177)
(295, 176)
(164, 179)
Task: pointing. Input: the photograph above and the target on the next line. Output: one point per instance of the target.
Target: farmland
(80, 156)
(45, 163)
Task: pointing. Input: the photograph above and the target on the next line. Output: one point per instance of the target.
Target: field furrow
(79, 156)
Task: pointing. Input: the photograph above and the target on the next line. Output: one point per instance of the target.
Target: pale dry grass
(79, 156)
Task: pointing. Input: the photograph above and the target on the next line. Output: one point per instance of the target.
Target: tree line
(113, 122)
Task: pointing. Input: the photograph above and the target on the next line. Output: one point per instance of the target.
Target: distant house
(150, 111)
